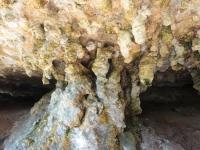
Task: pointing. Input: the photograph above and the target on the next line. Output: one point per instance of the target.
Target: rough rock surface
(103, 54)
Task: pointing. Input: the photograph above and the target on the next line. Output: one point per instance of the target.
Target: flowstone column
(77, 116)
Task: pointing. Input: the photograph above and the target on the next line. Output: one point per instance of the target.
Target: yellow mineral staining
(37, 3)
(73, 69)
(104, 118)
(107, 5)
(5, 3)
(166, 35)
(41, 3)
(102, 5)
(165, 3)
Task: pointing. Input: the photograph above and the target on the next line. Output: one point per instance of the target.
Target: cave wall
(102, 54)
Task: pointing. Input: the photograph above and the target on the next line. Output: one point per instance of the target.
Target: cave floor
(170, 126)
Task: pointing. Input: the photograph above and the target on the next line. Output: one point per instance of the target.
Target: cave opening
(17, 96)
(171, 113)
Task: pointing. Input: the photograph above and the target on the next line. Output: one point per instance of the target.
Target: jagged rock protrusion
(77, 118)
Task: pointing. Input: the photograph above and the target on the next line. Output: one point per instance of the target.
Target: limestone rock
(129, 49)
(102, 54)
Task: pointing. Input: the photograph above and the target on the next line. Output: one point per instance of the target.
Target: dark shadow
(17, 96)
(171, 111)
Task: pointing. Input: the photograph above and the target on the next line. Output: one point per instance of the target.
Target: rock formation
(103, 54)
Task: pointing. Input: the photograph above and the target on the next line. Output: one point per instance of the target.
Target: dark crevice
(17, 95)
(171, 112)
(170, 88)
(110, 68)
(171, 78)
(125, 79)
(23, 86)
(59, 66)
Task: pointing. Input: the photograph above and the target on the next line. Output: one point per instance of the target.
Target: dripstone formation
(103, 54)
